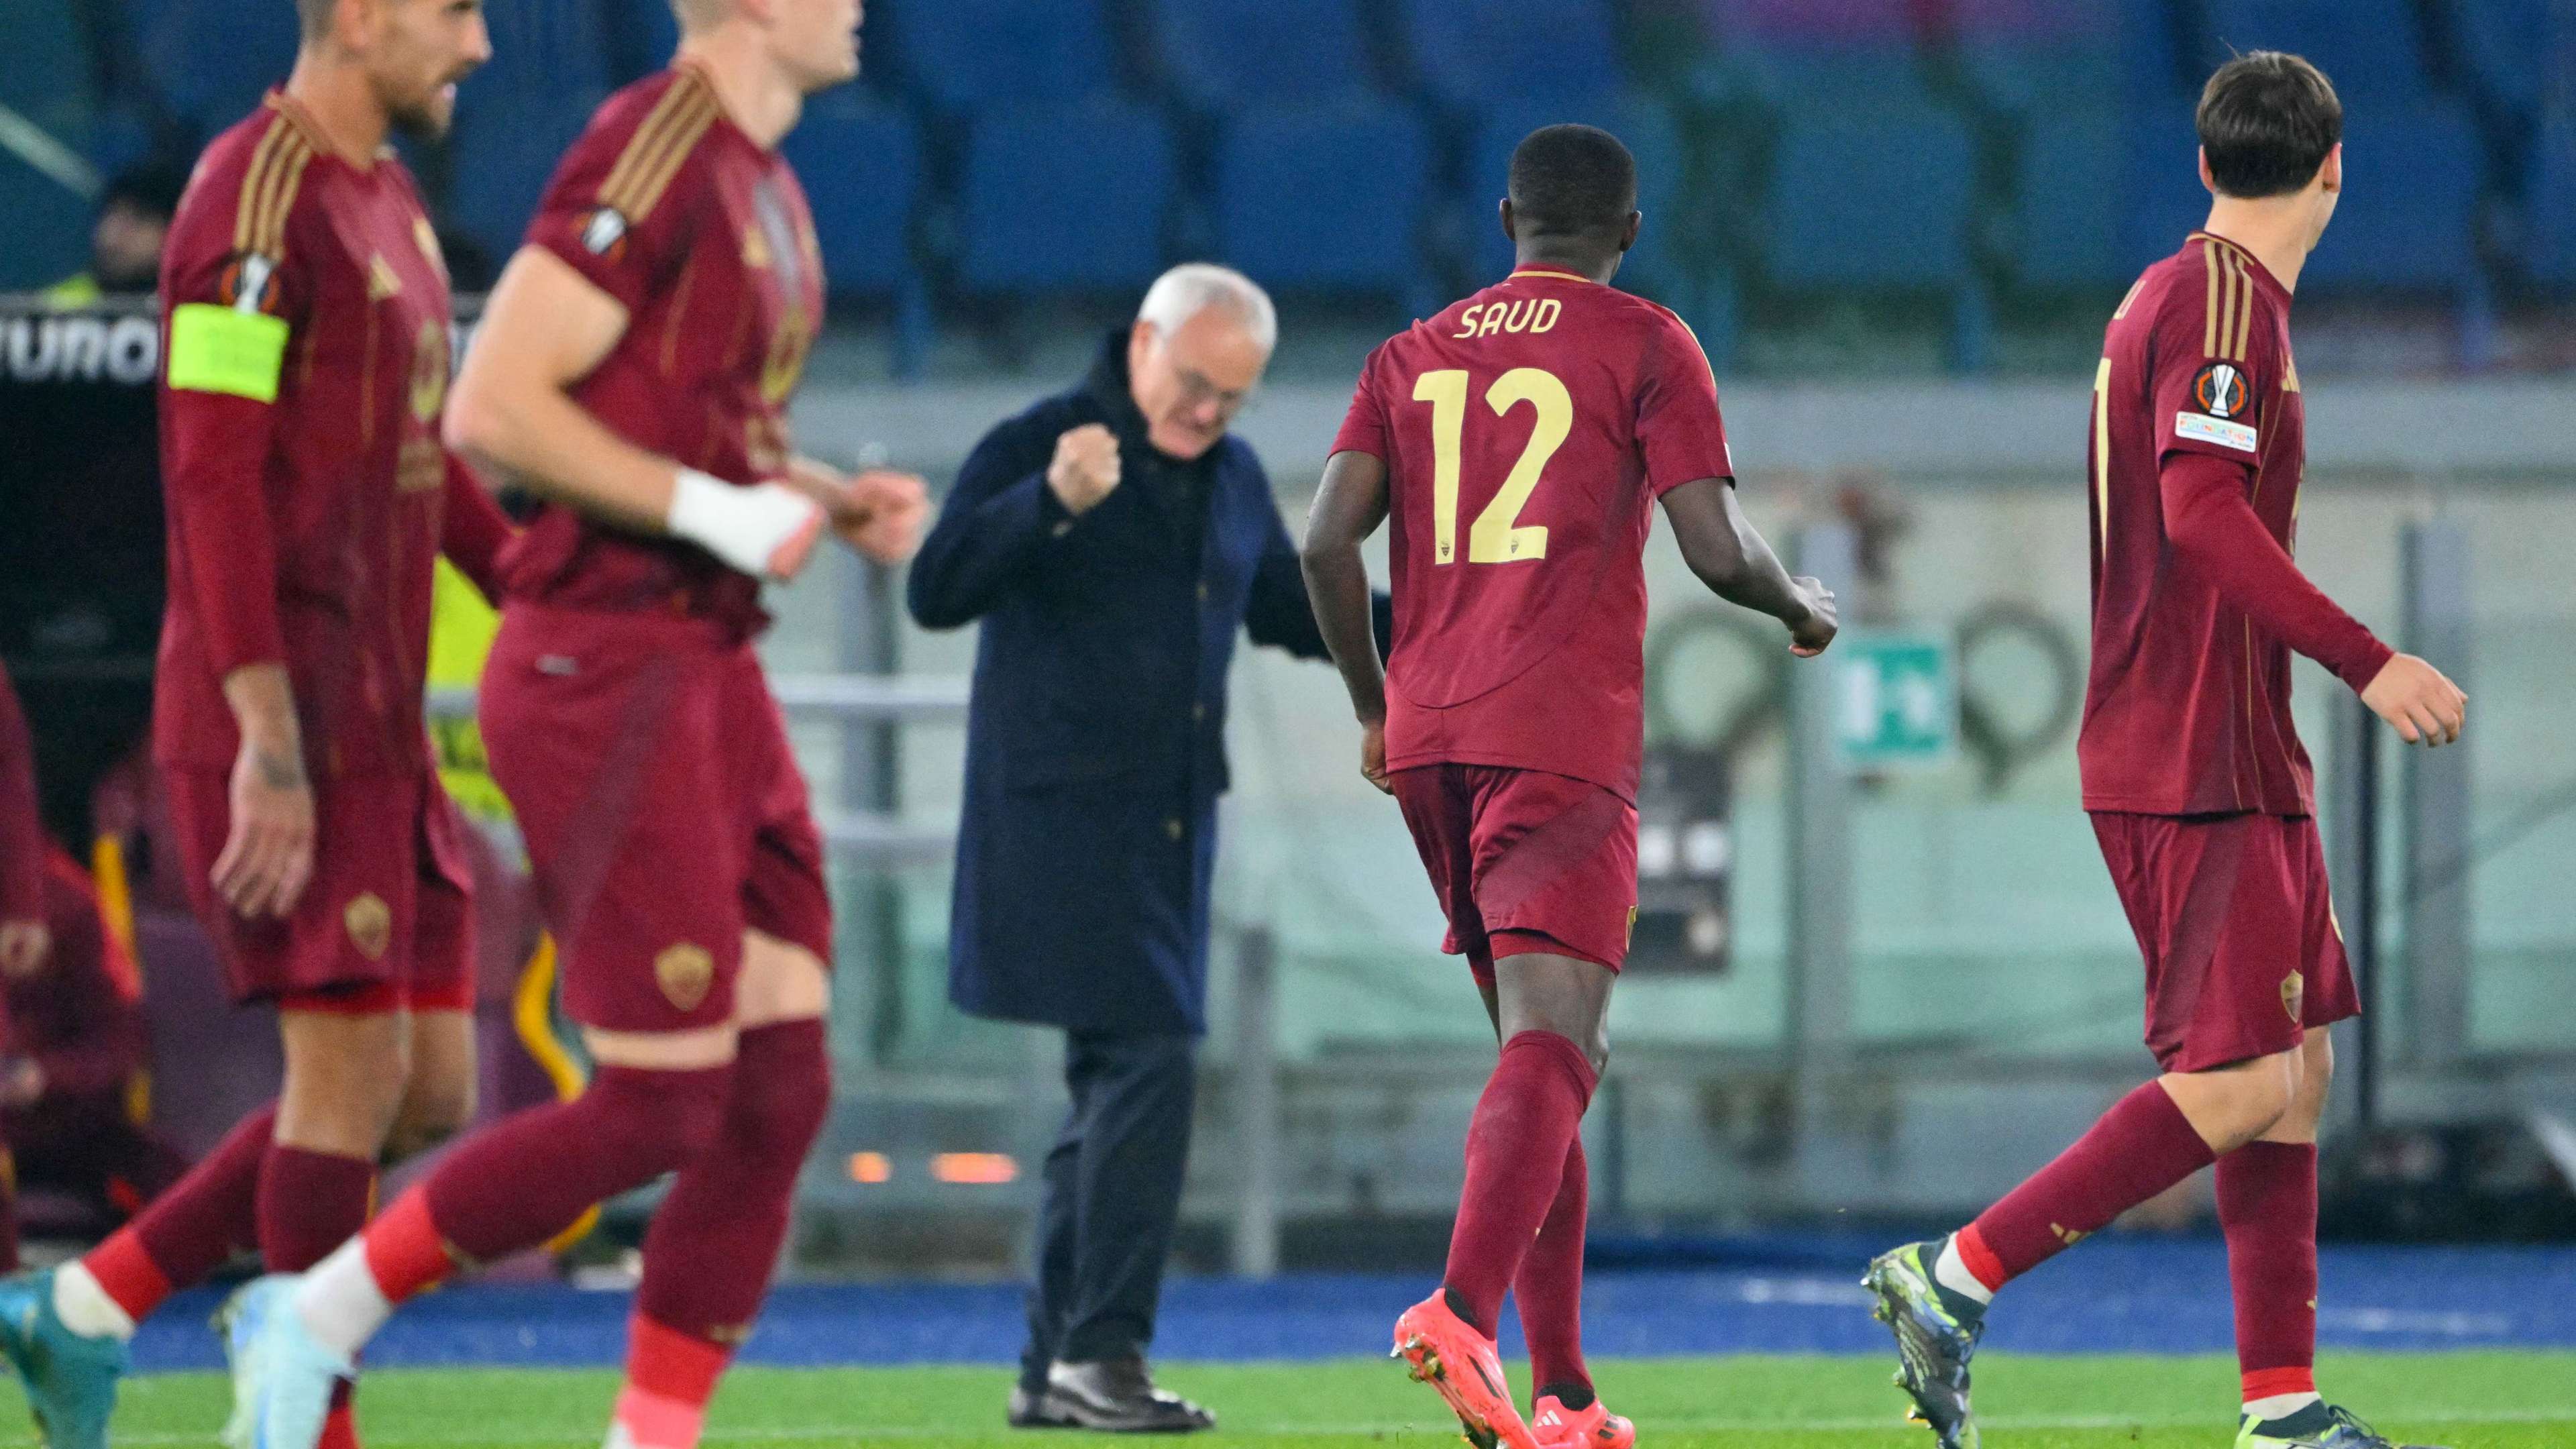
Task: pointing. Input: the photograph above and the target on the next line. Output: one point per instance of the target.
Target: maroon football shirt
(2197, 420)
(22, 830)
(307, 490)
(1526, 432)
(704, 236)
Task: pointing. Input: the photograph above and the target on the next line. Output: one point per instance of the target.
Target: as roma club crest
(2220, 391)
(371, 925)
(2293, 989)
(686, 973)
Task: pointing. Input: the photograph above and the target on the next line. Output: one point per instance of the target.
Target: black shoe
(1118, 1396)
(1030, 1409)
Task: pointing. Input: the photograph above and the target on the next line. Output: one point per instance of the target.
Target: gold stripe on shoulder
(652, 179)
(2245, 321)
(679, 117)
(2209, 265)
(254, 178)
(293, 156)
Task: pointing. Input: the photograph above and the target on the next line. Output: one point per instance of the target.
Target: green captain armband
(216, 349)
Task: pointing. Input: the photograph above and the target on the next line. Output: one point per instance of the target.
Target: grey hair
(1192, 287)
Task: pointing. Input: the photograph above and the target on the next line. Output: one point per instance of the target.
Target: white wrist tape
(745, 527)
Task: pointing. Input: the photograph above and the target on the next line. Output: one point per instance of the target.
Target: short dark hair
(1571, 181)
(2267, 121)
(151, 187)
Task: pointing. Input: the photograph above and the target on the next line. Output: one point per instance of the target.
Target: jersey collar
(2253, 263)
(1557, 272)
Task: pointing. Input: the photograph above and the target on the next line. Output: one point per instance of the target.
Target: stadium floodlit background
(1880, 991)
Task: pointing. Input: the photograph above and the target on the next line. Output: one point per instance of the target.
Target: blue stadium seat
(1872, 200)
(642, 34)
(501, 158)
(546, 45)
(48, 227)
(2160, 196)
(2039, 56)
(2371, 49)
(1064, 197)
(45, 69)
(962, 55)
(2408, 218)
(1325, 197)
(1470, 53)
(861, 165)
(211, 62)
(1220, 53)
(1655, 267)
(2522, 53)
(2068, 178)
(1851, 53)
(2553, 205)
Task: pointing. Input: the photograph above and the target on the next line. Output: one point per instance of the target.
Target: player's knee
(431, 1113)
(657, 1120)
(782, 1088)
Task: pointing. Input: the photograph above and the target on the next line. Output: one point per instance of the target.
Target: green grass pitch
(2522, 1400)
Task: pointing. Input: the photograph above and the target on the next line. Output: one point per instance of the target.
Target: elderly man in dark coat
(1112, 539)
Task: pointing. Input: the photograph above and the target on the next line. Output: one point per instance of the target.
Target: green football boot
(70, 1378)
(2318, 1426)
(1936, 1334)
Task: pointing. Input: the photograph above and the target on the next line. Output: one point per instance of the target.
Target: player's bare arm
(877, 511)
(268, 853)
(1730, 555)
(544, 330)
(1348, 508)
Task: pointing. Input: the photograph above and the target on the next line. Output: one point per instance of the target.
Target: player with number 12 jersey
(1517, 443)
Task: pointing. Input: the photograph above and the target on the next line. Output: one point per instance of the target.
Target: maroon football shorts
(1524, 861)
(2243, 951)
(664, 814)
(386, 923)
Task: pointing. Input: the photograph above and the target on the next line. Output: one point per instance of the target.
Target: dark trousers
(1111, 1195)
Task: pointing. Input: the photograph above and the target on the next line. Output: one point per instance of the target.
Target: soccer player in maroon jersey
(2198, 788)
(1517, 442)
(24, 938)
(308, 493)
(633, 368)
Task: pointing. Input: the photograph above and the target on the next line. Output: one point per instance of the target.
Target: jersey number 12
(1497, 535)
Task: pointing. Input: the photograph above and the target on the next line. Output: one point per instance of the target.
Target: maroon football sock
(2142, 1146)
(713, 1243)
(1549, 1289)
(309, 1203)
(187, 1232)
(1531, 1107)
(529, 1176)
(2267, 1204)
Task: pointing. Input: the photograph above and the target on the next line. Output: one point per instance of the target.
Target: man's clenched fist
(1085, 469)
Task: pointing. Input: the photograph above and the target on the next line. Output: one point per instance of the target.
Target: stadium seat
(545, 45)
(1876, 200)
(2408, 220)
(1064, 197)
(1325, 198)
(2521, 53)
(642, 34)
(1656, 267)
(1216, 54)
(861, 166)
(501, 158)
(2069, 179)
(2553, 205)
(49, 225)
(211, 62)
(45, 69)
(1843, 53)
(2038, 57)
(1469, 53)
(964, 55)
(2373, 50)
(2160, 198)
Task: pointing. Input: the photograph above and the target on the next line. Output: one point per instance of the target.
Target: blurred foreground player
(2198, 788)
(25, 935)
(70, 1047)
(633, 369)
(308, 495)
(1517, 442)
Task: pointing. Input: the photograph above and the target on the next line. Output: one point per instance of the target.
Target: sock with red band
(713, 1244)
(2267, 1205)
(178, 1238)
(2140, 1147)
(1549, 1290)
(512, 1186)
(1530, 1110)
